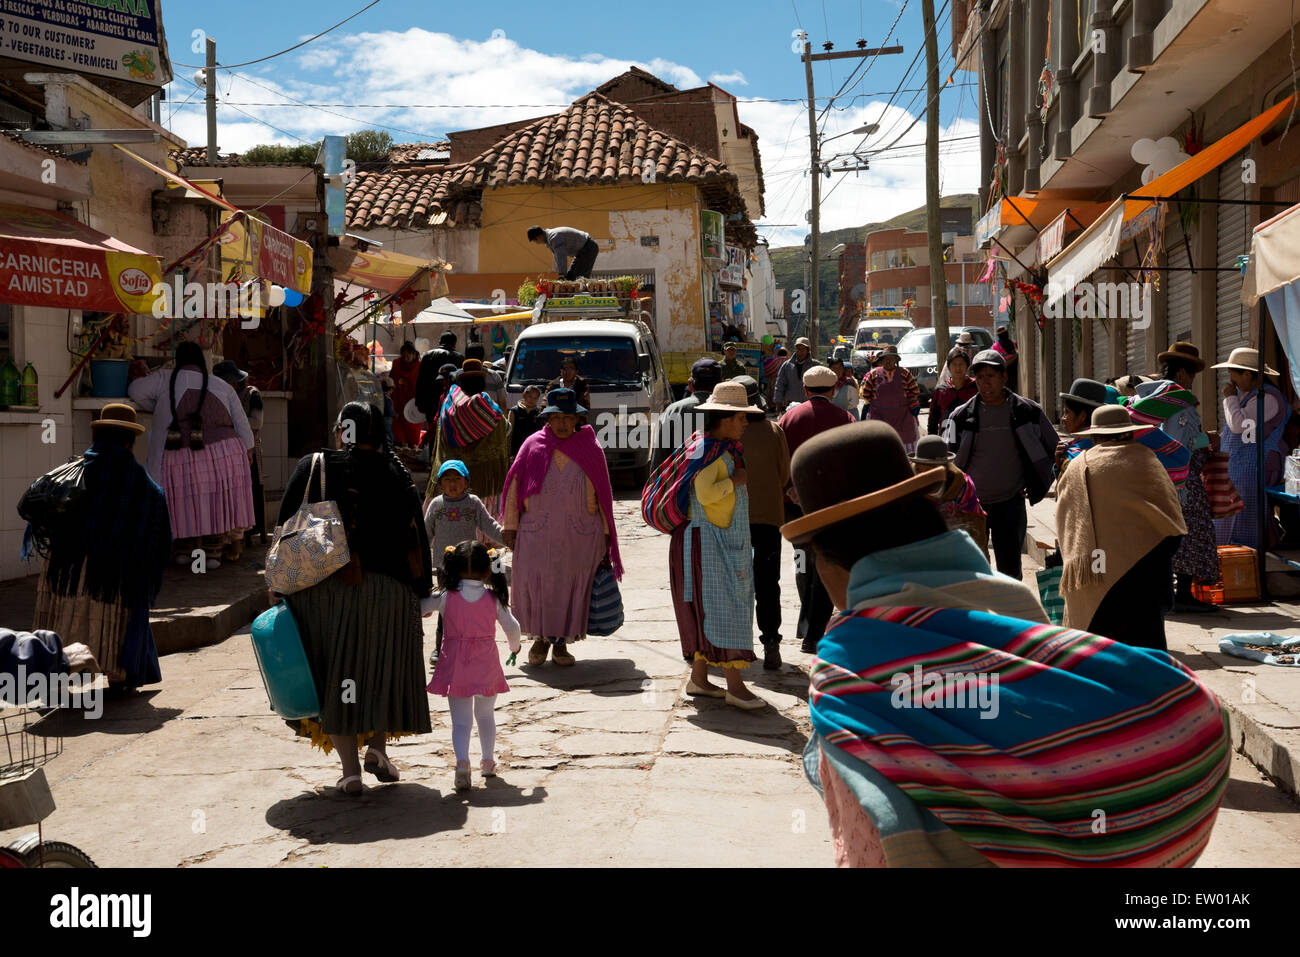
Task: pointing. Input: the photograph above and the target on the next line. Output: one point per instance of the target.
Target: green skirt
(365, 646)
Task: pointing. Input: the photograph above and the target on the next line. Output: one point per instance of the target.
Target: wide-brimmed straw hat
(830, 493)
(1112, 420)
(729, 396)
(117, 415)
(1184, 352)
(1247, 360)
(932, 450)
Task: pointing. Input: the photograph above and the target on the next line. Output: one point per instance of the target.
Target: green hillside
(788, 262)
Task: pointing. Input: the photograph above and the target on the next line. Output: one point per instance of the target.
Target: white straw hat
(1247, 360)
(729, 396)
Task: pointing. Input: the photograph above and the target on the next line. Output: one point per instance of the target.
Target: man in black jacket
(1006, 444)
(428, 386)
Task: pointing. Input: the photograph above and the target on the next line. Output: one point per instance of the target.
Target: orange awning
(49, 259)
(377, 269)
(1212, 157)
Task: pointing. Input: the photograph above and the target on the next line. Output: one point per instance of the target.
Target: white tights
(464, 712)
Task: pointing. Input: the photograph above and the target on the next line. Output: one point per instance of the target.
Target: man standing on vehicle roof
(563, 242)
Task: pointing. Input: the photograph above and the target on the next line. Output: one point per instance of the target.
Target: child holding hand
(476, 599)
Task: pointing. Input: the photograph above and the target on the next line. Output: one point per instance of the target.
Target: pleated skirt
(364, 644)
(209, 491)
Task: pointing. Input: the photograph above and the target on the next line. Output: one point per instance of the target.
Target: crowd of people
(892, 526)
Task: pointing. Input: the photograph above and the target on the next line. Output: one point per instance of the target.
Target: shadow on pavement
(1255, 796)
(132, 713)
(767, 727)
(389, 812)
(608, 677)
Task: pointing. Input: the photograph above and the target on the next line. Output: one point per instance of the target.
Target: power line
(353, 119)
(233, 66)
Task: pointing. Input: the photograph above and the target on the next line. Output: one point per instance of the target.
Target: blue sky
(440, 67)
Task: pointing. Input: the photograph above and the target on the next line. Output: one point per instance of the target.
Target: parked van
(624, 372)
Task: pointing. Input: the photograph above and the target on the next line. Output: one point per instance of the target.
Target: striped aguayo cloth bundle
(465, 419)
(666, 498)
(1174, 457)
(1087, 753)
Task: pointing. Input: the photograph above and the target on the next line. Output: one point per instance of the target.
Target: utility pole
(814, 213)
(210, 89)
(938, 282)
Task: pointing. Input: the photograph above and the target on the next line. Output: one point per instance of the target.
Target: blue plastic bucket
(108, 378)
(285, 672)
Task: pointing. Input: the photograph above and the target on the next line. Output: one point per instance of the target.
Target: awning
(1212, 157)
(48, 259)
(444, 312)
(1051, 238)
(1024, 211)
(377, 269)
(270, 253)
(1273, 273)
(1100, 242)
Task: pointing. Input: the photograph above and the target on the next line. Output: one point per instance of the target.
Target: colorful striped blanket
(1039, 746)
(466, 419)
(666, 498)
(1173, 456)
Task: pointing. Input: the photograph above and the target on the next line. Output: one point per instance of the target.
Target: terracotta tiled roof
(410, 152)
(595, 142)
(198, 156)
(409, 198)
(17, 137)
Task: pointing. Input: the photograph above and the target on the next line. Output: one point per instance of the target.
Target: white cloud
(725, 80)
(417, 66)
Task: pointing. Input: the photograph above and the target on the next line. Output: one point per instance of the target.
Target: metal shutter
(1232, 319)
(1101, 350)
(1178, 298)
(1065, 353)
(1135, 348)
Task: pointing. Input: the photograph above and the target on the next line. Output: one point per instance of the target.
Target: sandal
(342, 785)
(380, 767)
(488, 769)
(461, 782)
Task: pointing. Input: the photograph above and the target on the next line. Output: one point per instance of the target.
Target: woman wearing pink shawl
(560, 522)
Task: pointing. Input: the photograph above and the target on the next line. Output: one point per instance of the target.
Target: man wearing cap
(731, 368)
(105, 560)
(816, 415)
(1119, 524)
(915, 772)
(251, 401)
(1006, 444)
(680, 420)
(789, 380)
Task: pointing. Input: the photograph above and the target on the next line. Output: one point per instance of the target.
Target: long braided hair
(187, 354)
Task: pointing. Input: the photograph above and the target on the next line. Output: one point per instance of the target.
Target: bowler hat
(932, 450)
(562, 401)
(830, 491)
(1184, 352)
(885, 353)
(1087, 392)
(118, 415)
(1112, 420)
(229, 372)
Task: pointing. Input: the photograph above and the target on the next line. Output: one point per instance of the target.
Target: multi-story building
(1068, 88)
(892, 268)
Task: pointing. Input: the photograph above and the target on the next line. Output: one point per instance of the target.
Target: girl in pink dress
(469, 673)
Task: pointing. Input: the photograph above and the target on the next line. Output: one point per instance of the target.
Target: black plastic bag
(53, 502)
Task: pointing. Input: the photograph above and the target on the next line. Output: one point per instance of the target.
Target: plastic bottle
(10, 383)
(30, 392)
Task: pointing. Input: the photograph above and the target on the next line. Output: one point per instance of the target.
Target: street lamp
(860, 131)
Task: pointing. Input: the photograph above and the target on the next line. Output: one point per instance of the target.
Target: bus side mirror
(643, 363)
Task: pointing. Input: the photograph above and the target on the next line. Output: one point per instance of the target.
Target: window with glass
(602, 360)
(977, 294)
(909, 292)
(893, 297)
(878, 298)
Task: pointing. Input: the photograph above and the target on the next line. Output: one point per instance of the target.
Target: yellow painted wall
(616, 217)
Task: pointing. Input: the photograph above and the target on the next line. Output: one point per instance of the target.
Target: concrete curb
(208, 626)
(1265, 749)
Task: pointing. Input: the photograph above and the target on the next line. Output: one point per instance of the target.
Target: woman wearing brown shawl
(1119, 523)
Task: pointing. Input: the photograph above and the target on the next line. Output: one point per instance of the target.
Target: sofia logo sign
(134, 282)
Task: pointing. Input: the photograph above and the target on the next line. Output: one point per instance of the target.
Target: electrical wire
(868, 63)
(234, 66)
(395, 129)
(546, 106)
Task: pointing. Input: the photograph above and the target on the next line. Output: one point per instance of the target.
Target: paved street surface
(605, 763)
